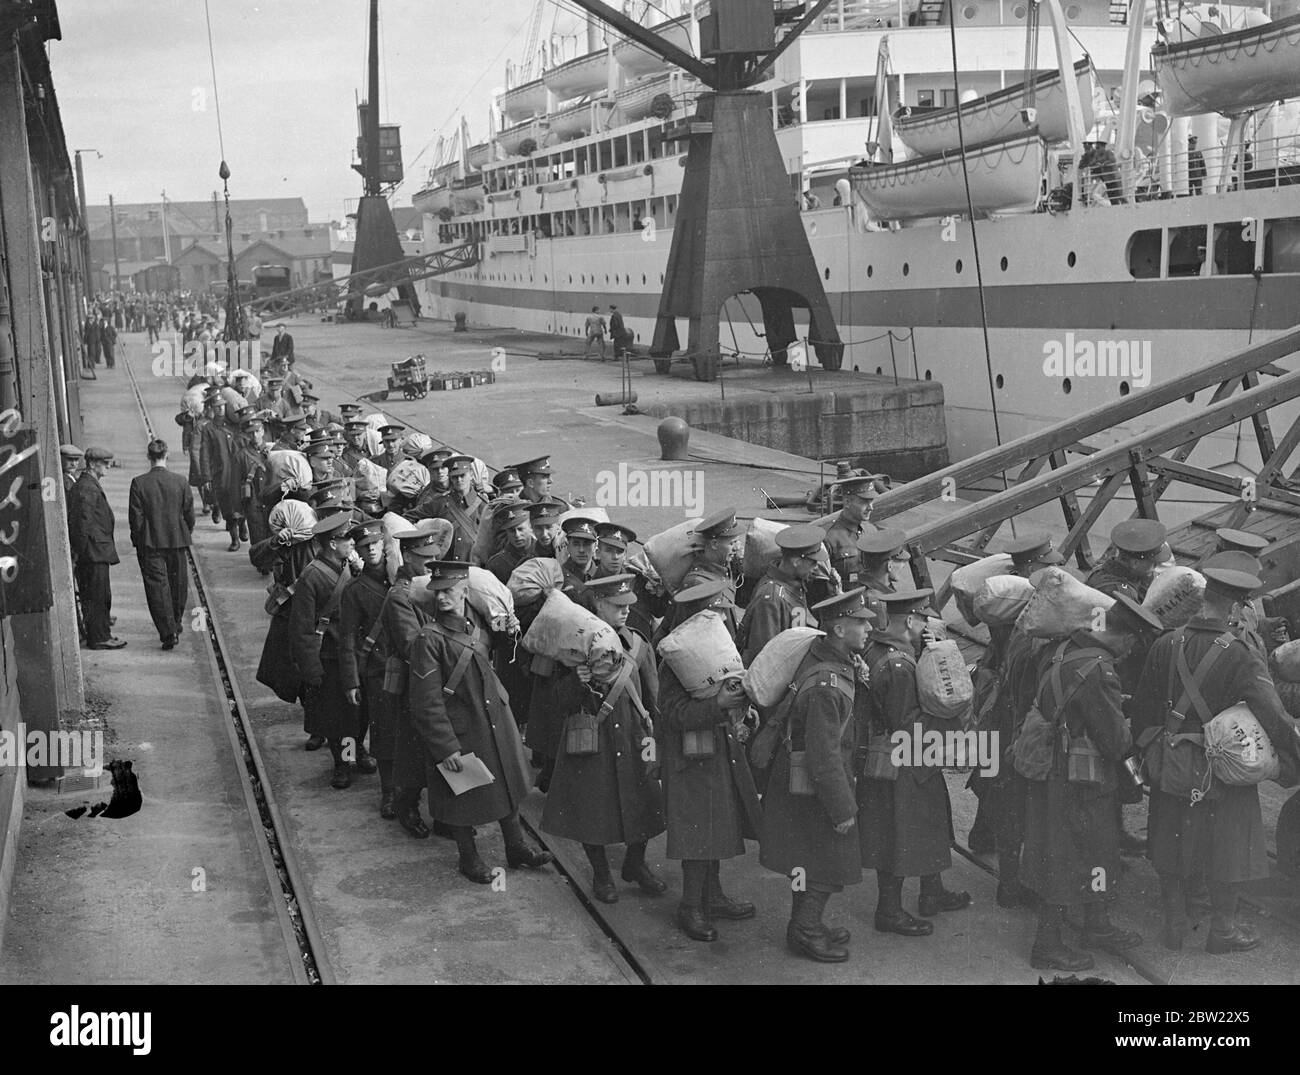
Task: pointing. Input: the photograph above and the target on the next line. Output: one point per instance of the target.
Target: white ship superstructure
(574, 201)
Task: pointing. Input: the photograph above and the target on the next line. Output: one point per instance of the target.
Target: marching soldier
(842, 536)
(711, 806)
(612, 540)
(363, 656)
(314, 640)
(461, 506)
(1070, 832)
(458, 707)
(90, 526)
(293, 432)
(719, 544)
(780, 600)
(601, 792)
(402, 620)
(810, 810)
(904, 816)
(1213, 831)
(1238, 550)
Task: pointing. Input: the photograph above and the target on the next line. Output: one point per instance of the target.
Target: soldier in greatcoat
(711, 805)
(1071, 839)
(780, 600)
(810, 810)
(223, 469)
(1219, 837)
(461, 506)
(858, 492)
(363, 655)
(512, 663)
(609, 796)
(313, 641)
(718, 543)
(471, 716)
(904, 819)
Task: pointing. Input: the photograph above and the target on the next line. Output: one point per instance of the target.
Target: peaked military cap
(1142, 537)
(444, 574)
(884, 543)
(459, 464)
(390, 431)
(354, 424)
(1242, 540)
(510, 515)
(721, 524)
(367, 533)
(905, 601)
(540, 465)
(852, 605)
(1234, 560)
(1239, 583)
(803, 540)
(545, 511)
(863, 485)
(507, 479)
(1033, 549)
(712, 593)
(580, 528)
(331, 524)
(615, 534)
(615, 588)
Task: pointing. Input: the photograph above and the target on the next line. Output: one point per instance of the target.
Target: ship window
(1282, 245)
(999, 381)
(947, 98)
(1186, 250)
(1066, 386)
(1234, 255)
(1072, 13)
(620, 152)
(1070, 259)
(928, 376)
(1003, 264)
(1123, 388)
(906, 268)
(643, 278)
(925, 98)
(959, 264)
(827, 274)
(870, 270)
(1144, 254)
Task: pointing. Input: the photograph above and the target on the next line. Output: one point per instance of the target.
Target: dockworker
(904, 816)
(71, 459)
(461, 506)
(90, 532)
(858, 493)
(602, 792)
(711, 805)
(1000, 807)
(809, 811)
(313, 639)
(161, 515)
(883, 560)
(612, 540)
(402, 619)
(363, 656)
(1070, 827)
(1137, 544)
(513, 521)
(1212, 831)
(457, 708)
(544, 518)
(780, 600)
(719, 542)
(390, 451)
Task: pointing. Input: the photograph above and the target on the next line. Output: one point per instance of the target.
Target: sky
(134, 81)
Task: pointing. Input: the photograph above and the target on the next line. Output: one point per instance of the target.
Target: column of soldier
(394, 655)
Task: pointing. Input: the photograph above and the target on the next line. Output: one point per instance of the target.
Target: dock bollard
(460, 323)
(674, 438)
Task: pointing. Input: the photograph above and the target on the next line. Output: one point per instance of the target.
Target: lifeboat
(586, 75)
(996, 116)
(1004, 176)
(524, 101)
(637, 61)
(1230, 73)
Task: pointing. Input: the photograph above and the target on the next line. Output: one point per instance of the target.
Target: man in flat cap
(780, 600)
(363, 652)
(72, 460)
(810, 809)
(601, 792)
(711, 804)
(904, 816)
(842, 536)
(461, 506)
(1070, 829)
(314, 642)
(161, 516)
(1213, 831)
(91, 533)
(458, 707)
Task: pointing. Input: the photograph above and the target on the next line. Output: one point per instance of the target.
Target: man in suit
(618, 332)
(161, 516)
(282, 349)
(90, 338)
(91, 531)
(108, 341)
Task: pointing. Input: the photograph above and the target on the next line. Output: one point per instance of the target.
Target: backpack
(1034, 749)
(773, 731)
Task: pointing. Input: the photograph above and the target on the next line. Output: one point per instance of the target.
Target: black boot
(1049, 951)
(1225, 934)
(806, 933)
(936, 898)
(314, 742)
(602, 881)
(692, 918)
(717, 903)
(243, 529)
(1100, 932)
(518, 853)
(407, 802)
(342, 770)
(387, 793)
(364, 763)
(636, 872)
(233, 530)
(471, 866)
(981, 840)
(890, 916)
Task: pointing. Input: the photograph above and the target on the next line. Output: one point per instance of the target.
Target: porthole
(570, 277)
(643, 278)
(959, 264)
(1019, 11)
(906, 268)
(607, 279)
(999, 381)
(546, 279)
(661, 278)
(969, 12)
(1070, 259)
(1123, 388)
(584, 278)
(1004, 264)
(1072, 12)
(1066, 386)
(870, 270)
(928, 376)
(827, 274)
